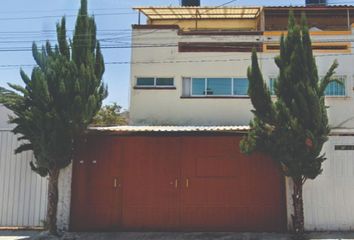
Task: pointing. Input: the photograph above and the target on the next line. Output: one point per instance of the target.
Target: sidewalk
(27, 235)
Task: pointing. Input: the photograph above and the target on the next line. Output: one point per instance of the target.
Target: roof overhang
(309, 8)
(122, 130)
(183, 13)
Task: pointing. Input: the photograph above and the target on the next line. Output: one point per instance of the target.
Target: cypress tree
(58, 101)
(293, 128)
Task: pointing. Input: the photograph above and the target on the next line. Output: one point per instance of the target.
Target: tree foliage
(109, 115)
(293, 128)
(60, 97)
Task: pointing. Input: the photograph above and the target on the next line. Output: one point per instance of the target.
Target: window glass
(198, 86)
(240, 86)
(219, 86)
(271, 85)
(145, 82)
(335, 89)
(164, 81)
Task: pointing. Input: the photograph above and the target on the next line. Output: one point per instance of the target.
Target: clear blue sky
(24, 21)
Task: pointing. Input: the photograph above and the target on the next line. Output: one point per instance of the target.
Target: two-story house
(178, 166)
(189, 64)
(189, 68)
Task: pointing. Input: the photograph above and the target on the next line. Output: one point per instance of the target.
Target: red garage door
(96, 187)
(188, 184)
(223, 190)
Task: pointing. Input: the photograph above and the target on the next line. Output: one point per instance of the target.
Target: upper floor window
(154, 82)
(335, 88)
(271, 85)
(218, 86)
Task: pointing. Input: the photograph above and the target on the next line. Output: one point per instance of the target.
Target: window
(271, 85)
(240, 86)
(154, 82)
(343, 147)
(335, 88)
(217, 86)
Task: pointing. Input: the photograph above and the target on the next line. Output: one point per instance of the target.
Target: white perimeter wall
(328, 200)
(23, 193)
(4, 117)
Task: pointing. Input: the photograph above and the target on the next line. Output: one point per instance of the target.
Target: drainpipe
(262, 19)
(348, 19)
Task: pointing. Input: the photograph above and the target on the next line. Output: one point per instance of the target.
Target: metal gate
(23, 193)
(175, 183)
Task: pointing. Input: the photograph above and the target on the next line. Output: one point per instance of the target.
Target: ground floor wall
(63, 214)
(179, 183)
(327, 199)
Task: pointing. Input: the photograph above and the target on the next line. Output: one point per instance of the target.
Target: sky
(23, 21)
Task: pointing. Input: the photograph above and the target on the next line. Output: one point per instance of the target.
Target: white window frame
(155, 85)
(274, 78)
(343, 78)
(206, 87)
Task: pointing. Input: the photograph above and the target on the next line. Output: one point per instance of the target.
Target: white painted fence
(329, 199)
(23, 193)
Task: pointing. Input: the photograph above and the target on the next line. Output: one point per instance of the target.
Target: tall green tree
(110, 115)
(58, 101)
(294, 127)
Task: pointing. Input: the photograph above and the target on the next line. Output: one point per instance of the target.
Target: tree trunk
(298, 217)
(52, 201)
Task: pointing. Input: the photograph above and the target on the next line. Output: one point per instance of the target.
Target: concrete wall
(63, 214)
(154, 107)
(328, 199)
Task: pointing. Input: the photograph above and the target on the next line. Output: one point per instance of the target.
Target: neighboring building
(189, 64)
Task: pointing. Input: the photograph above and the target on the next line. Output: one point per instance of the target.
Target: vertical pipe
(262, 20)
(196, 19)
(348, 19)
(139, 17)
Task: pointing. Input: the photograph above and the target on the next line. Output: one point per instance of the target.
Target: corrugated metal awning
(160, 13)
(312, 7)
(200, 129)
(171, 129)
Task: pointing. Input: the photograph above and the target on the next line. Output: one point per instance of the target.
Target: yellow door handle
(187, 183)
(115, 182)
(176, 183)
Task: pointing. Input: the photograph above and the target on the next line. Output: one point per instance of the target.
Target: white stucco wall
(166, 107)
(328, 199)
(64, 201)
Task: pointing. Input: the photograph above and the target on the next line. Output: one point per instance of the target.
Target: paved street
(32, 235)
